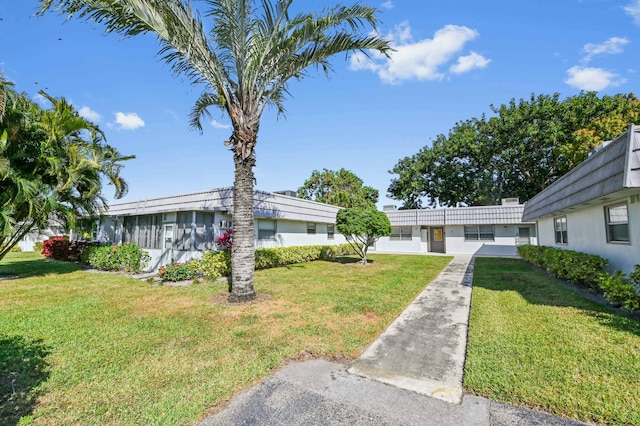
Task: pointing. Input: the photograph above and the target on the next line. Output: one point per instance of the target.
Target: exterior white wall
(288, 233)
(293, 233)
(586, 232)
(386, 245)
(504, 244)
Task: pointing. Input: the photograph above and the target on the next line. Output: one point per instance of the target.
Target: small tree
(362, 228)
(342, 188)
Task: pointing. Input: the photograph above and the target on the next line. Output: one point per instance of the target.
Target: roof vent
(510, 201)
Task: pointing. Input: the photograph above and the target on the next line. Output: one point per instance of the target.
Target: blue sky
(454, 59)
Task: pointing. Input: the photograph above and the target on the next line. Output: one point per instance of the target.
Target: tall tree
(524, 147)
(52, 162)
(342, 188)
(245, 61)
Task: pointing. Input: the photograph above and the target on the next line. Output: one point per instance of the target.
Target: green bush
(620, 290)
(125, 257)
(216, 264)
(37, 246)
(16, 249)
(573, 266)
(180, 271)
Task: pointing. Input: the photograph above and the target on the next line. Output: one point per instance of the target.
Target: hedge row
(587, 270)
(60, 248)
(216, 264)
(125, 257)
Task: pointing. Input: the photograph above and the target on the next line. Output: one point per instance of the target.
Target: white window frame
(331, 230)
(311, 228)
(265, 230)
(561, 236)
(479, 233)
(401, 233)
(619, 222)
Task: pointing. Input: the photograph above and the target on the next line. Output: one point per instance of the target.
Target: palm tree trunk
(243, 257)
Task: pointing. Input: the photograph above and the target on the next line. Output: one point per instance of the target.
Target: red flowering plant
(180, 271)
(225, 241)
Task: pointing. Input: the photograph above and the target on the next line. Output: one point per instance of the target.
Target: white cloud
(611, 46)
(129, 121)
(633, 10)
(592, 79)
(469, 62)
(89, 114)
(42, 101)
(422, 59)
(387, 4)
(219, 125)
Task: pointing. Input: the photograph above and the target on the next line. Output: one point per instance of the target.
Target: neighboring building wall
(387, 245)
(287, 233)
(587, 233)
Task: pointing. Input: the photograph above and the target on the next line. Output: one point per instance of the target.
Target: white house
(182, 227)
(487, 231)
(595, 208)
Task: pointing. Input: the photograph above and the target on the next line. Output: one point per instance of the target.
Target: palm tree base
(239, 298)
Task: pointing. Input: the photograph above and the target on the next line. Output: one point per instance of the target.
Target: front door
(168, 237)
(523, 237)
(437, 240)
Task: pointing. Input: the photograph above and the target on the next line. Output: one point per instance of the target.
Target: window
(183, 235)
(205, 237)
(617, 220)
(311, 228)
(331, 230)
(143, 231)
(560, 227)
(478, 233)
(400, 233)
(266, 229)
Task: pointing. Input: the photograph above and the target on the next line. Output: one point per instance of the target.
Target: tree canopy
(52, 162)
(362, 227)
(244, 62)
(338, 188)
(523, 148)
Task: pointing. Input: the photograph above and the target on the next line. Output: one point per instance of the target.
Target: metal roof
(486, 215)
(614, 168)
(265, 204)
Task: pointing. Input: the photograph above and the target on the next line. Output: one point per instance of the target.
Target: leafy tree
(342, 188)
(244, 61)
(523, 148)
(51, 165)
(362, 227)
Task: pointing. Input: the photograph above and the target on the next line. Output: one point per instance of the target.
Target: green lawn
(534, 343)
(93, 348)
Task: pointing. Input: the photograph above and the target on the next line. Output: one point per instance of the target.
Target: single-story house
(182, 227)
(486, 231)
(595, 208)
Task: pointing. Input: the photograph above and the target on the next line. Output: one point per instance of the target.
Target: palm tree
(51, 165)
(253, 49)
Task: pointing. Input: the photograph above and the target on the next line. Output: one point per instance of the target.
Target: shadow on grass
(29, 267)
(539, 288)
(348, 260)
(22, 369)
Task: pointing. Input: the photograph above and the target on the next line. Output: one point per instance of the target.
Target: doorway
(437, 240)
(524, 237)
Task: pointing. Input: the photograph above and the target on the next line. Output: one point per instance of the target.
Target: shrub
(16, 249)
(575, 267)
(125, 257)
(180, 271)
(620, 290)
(37, 246)
(56, 248)
(216, 264)
(225, 241)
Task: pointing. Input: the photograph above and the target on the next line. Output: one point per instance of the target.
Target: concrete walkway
(424, 348)
(421, 354)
